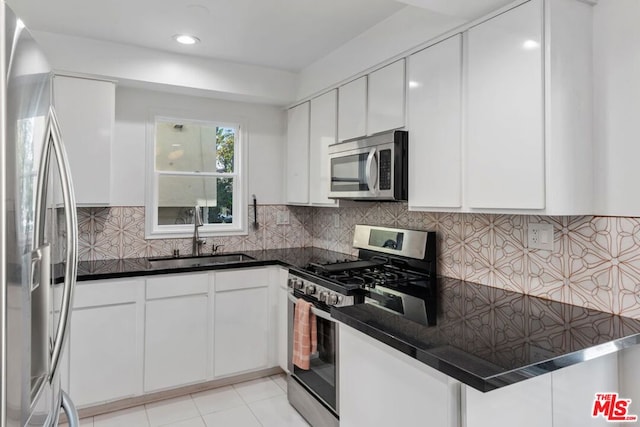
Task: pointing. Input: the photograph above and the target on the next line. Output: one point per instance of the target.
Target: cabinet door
(379, 386)
(175, 342)
(575, 387)
(352, 109)
(504, 134)
(86, 111)
(529, 402)
(104, 354)
(297, 164)
(386, 98)
(435, 123)
(323, 133)
(241, 337)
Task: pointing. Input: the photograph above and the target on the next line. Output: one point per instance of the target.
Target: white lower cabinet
(629, 376)
(106, 341)
(575, 387)
(242, 330)
(563, 398)
(176, 334)
(380, 386)
(526, 404)
(375, 377)
(143, 335)
(283, 320)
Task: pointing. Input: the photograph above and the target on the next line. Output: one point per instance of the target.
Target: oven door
(363, 173)
(321, 379)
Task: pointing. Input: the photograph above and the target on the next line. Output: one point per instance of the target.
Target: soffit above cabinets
(459, 8)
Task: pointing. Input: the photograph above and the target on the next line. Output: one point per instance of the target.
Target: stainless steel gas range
(395, 270)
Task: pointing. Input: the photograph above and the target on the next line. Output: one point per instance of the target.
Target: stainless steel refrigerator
(38, 236)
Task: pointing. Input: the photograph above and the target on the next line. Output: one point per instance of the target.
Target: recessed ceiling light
(530, 44)
(186, 39)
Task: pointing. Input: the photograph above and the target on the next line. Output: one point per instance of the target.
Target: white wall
(266, 136)
(402, 31)
(617, 106)
(208, 77)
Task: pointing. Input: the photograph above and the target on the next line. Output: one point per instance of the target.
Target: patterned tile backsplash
(118, 232)
(595, 262)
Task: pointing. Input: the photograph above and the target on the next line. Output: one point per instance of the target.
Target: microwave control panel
(385, 169)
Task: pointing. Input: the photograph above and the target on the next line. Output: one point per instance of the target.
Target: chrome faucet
(196, 244)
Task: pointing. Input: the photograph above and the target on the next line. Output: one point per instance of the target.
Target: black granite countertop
(131, 267)
(485, 337)
(488, 337)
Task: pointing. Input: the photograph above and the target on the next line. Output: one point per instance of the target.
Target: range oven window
(349, 173)
(386, 239)
(321, 378)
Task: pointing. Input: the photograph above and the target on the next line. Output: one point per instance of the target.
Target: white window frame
(240, 178)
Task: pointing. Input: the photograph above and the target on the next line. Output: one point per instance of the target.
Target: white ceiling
(284, 34)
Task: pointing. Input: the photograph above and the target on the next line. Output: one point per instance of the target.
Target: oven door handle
(322, 314)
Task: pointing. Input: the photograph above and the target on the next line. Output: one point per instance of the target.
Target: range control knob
(290, 282)
(323, 296)
(332, 299)
(298, 284)
(310, 289)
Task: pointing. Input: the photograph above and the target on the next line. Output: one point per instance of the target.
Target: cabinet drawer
(104, 292)
(241, 279)
(174, 285)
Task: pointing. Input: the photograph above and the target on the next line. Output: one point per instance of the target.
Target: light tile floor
(257, 403)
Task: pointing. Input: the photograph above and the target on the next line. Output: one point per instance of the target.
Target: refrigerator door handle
(69, 408)
(71, 222)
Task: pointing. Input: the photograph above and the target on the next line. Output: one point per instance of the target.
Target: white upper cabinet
(352, 109)
(434, 124)
(312, 127)
(499, 115)
(386, 98)
(529, 110)
(569, 108)
(519, 98)
(86, 112)
(505, 100)
(297, 164)
(323, 130)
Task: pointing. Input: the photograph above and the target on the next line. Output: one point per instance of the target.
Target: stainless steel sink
(197, 261)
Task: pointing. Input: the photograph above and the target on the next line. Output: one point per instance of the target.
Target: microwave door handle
(372, 171)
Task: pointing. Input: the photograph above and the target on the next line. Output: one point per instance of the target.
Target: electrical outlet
(540, 236)
(336, 220)
(282, 218)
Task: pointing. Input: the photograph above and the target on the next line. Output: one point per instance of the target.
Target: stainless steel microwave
(371, 168)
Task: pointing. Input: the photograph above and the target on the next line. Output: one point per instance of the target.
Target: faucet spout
(196, 243)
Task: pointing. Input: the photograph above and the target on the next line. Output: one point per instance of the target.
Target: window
(191, 164)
